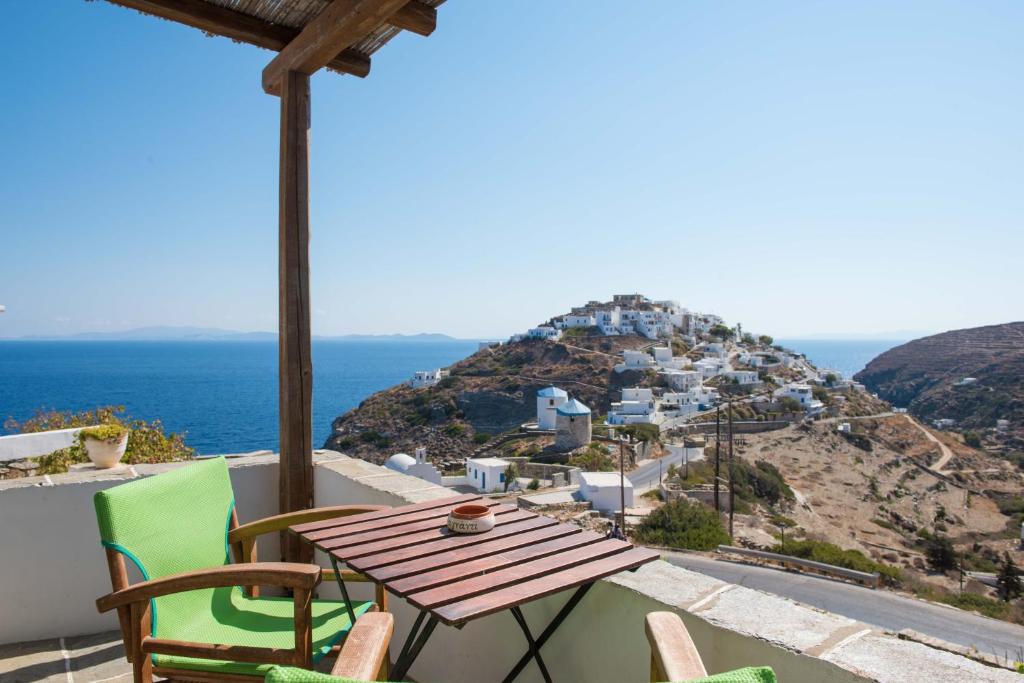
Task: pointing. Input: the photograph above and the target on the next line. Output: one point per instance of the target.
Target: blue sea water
(847, 356)
(224, 395)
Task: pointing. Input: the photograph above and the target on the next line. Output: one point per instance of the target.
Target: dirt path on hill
(947, 454)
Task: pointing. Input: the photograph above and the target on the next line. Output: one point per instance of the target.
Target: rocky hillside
(926, 375)
(490, 392)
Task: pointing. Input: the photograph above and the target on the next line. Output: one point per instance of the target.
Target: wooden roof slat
(337, 27)
(241, 26)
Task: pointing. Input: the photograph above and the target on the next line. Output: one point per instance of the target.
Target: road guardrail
(868, 579)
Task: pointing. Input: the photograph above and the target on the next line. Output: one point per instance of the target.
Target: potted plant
(105, 444)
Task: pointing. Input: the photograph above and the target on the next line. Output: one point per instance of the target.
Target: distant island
(186, 333)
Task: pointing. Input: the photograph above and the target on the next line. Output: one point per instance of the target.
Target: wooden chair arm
(674, 657)
(284, 574)
(282, 522)
(366, 647)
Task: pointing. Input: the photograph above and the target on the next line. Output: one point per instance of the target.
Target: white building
(637, 359)
(715, 350)
(605, 490)
(743, 377)
(544, 332)
(662, 355)
(486, 474)
(683, 380)
(608, 320)
(802, 394)
(711, 367)
(417, 466)
(548, 401)
(637, 406)
(571, 321)
(427, 378)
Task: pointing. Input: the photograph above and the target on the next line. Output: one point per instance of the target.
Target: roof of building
(488, 462)
(552, 392)
(573, 407)
(604, 480)
(400, 462)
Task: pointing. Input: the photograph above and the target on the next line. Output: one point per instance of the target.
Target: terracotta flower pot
(471, 519)
(106, 454)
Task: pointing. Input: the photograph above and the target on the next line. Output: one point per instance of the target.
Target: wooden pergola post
(296, 367)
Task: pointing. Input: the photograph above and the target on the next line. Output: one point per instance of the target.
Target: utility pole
(622, 491)
(731, 473)
(718, 448)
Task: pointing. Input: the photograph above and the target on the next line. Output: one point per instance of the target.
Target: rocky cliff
(927, 376)
(492, 391)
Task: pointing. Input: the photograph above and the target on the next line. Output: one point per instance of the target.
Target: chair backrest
(172, 522)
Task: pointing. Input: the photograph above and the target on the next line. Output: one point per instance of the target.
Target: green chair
(674, 657)
(195, 615)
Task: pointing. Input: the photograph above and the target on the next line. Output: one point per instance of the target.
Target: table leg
(344, 593)
(413, 644)
(534, 651)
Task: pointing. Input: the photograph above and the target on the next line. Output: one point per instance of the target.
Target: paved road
(646, 475)
(875, 607)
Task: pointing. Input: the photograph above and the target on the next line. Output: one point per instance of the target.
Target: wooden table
(455, 578)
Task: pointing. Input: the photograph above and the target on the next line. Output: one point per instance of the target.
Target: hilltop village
(632, 374)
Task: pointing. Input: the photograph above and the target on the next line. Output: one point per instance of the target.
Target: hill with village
(544, 415)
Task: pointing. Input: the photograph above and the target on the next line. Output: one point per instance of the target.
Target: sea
(223, 395)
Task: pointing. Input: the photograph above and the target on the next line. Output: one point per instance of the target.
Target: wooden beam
(416, 17)
(241, 27)
(341, 24)
(295, 473)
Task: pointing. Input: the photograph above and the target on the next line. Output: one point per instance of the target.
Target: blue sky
(800, 167)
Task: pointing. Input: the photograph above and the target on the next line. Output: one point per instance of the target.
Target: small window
(501, 478)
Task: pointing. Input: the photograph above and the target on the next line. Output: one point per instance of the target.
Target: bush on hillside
(760, 482)
(940, 553)
(594, 459)
(829, 553)
(683, 524)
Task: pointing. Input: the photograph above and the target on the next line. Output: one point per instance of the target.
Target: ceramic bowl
(471, 519)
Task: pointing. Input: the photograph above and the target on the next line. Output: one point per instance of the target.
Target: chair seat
(228, 616)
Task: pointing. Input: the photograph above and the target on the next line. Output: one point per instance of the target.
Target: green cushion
(171, 523)
(177, 522)
(759, 674)
(290, 674)
(227, 615)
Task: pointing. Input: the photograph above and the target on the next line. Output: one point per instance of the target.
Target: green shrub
(594, 459)
(829, 553)
(534, 484)
(481, 437)
(107, 432)
(972, 439)
(761, 482)
(683, 524)
(455, 429)
(641, 432)
(375, 438)
(939, 552)
(147, 441)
